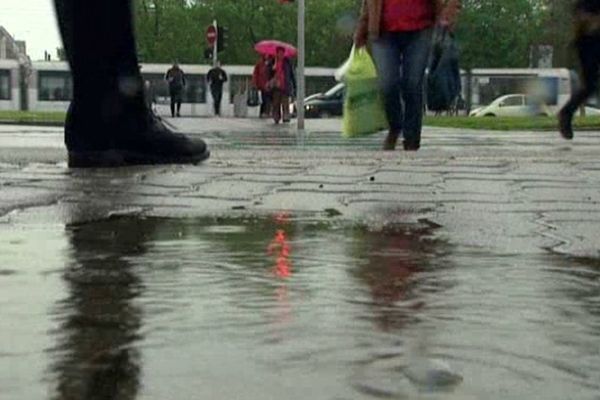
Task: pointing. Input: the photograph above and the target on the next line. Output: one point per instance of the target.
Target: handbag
(253, 97)
(443, 79)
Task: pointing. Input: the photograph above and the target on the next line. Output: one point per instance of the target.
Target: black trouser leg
(172, 107)
(276, 104)
(99, 44)
(588, 49)
(178, 108)
(217, 95)
(263, 104)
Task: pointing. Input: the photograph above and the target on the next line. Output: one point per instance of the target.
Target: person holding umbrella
(283, 85)
(260, 78)
(282, 81)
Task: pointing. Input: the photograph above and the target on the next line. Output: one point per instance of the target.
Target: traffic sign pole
(301, 61)
(216, 43)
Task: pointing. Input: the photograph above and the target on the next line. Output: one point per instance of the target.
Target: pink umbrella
(269, 48)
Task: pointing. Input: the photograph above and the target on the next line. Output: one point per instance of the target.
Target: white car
(520, 105)
(512, 105)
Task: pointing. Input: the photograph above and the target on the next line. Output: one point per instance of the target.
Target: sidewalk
(515, 191)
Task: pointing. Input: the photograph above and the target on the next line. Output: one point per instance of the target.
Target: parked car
(326, 105)
(512, 105)
(520, 105)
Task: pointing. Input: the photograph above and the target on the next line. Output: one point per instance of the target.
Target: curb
(32, 123)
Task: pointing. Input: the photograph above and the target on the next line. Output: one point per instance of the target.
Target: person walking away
(176, 80)
(400, 34)
(216, 78)
(587, 44)
(260, 79)
(114, 127)
(283, 86)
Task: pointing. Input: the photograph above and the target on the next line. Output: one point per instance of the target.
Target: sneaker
(390, 140)
(157, 144)
(565, 125)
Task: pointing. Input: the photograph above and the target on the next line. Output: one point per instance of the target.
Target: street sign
(211, 35)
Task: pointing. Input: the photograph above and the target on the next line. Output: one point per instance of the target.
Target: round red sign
(211, 34)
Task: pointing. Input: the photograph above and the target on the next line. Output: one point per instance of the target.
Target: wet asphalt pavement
(308, 266)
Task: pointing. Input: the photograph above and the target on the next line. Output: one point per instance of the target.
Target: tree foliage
(497, 34)
(491, 33)
(175, 29)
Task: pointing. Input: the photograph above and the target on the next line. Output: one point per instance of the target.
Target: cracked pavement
(515, 192)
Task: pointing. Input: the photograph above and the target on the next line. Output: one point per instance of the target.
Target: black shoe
(565, 125)
(411, 145)
(156, 144)
(390, 140)
(179, 115)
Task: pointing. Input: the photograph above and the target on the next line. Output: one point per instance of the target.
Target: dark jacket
(590, 6)
(587, 18)
(176, 79)
(216, 77)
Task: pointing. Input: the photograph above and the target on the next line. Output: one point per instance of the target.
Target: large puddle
(287, 308)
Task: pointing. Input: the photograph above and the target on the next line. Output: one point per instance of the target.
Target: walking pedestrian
(260, 79)
(282, 83)
(216, 78)
(587, 44)
(400, 34)
(108, 123)
(176, 80)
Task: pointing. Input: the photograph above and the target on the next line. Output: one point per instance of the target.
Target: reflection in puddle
(99, 320)
(281, 307)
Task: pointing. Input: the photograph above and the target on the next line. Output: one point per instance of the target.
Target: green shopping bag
(364, 113)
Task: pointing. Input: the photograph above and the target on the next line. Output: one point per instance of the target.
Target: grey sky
(34, 22)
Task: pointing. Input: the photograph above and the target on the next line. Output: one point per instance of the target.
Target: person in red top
(400, 35)
(260, 79)
(283, 85)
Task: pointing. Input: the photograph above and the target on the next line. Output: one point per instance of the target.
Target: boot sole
(124, 158)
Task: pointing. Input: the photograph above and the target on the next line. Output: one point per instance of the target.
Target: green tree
(558, 31)
(498, 34)
(175, 29)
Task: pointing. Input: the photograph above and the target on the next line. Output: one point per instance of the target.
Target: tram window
(5, 85)
(194, 91)
(319, 84)
(238, 84)
(55, 86)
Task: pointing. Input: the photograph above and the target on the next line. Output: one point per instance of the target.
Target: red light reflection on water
(280, 247)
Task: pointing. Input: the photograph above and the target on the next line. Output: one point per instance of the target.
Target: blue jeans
(401, 59)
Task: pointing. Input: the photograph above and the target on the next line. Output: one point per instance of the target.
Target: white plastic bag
(340, 73)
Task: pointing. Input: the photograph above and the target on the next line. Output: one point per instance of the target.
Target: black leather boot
(108, 123)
